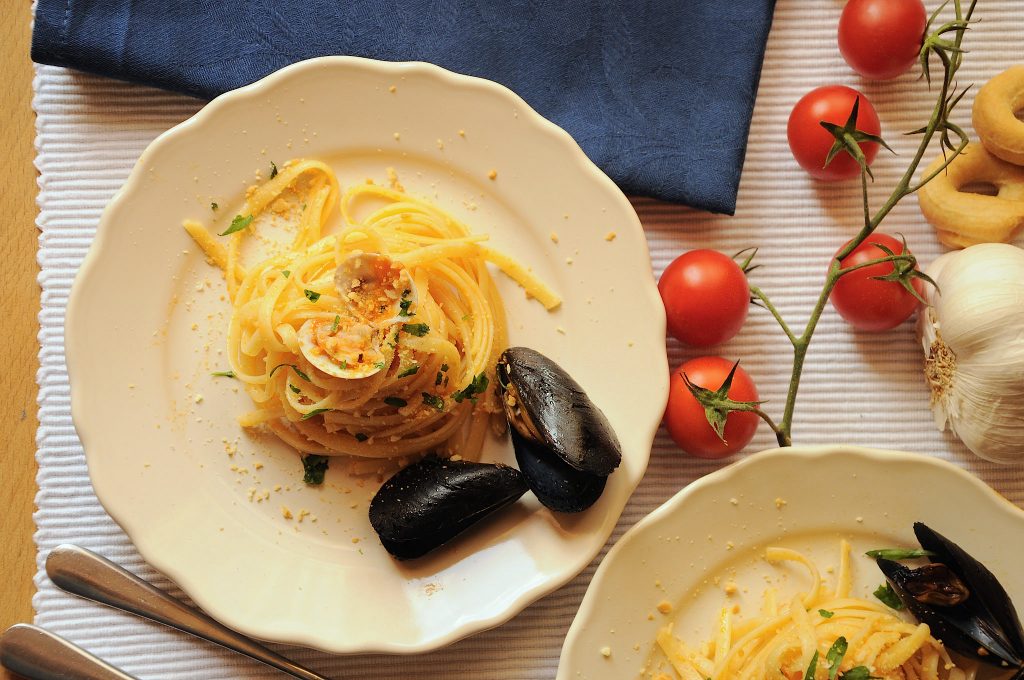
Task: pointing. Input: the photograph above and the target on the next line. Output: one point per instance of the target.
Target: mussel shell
(989, 599)
(543, 403)
(957, 626)
(555, 483)
(428, 503)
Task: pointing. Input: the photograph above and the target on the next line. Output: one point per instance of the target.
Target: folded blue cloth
(658, 93)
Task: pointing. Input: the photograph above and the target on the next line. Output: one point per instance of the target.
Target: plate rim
(75, 318)
(721, 477)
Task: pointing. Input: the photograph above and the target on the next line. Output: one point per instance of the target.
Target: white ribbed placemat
(857, 388)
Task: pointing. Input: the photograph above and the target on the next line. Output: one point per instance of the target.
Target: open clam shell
(347, 349)
(377, 290)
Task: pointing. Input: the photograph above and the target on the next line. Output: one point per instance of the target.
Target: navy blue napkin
(658, 93)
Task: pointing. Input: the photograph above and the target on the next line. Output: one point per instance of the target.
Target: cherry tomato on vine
(866, 302)
(706, 297)
(810, 142)
(881, 39)
(685, 418)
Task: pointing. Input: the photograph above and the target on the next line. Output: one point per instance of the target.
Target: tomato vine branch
(950, 54)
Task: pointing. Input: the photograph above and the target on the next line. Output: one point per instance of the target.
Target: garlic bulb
(973, 338)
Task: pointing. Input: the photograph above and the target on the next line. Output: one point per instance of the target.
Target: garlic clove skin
(973, 339)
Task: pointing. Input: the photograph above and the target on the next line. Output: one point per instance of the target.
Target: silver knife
(91, 576)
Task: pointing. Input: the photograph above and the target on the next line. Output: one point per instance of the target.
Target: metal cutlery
(84, 573)
(38, 654)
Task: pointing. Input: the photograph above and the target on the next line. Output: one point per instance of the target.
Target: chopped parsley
(273, 169)
(238, 224)
(285, 273)
(887, 596)
(397, 402)
(405, 303)
(214, 206)
(477, 386)
(433, 400)
(835, 655)
(411, 370)
(313, 468)
(360, 437)
(417, 329)
(311, 295)
(898, 554)
(294, 389)
(294, 368)
(224, 374)
(314, 412)
(812, 667)
(380, 365)
(437, 380)
(858, 673)
(826, 614)
(337, 320)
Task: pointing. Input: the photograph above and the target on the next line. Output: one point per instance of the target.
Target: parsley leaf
(433, 400)
(360, 437)
(224, 374)
(417, 329)
(858, 673)
(380, 365)
(285, 273)
(437, 380)
(238, 224)
(397, 402)
(214, 206)
(826, 614)
(293, 388)
(812, 667)
(313, 468)
(311, 295)
(314, 412)
(273, 169)
(294, 368)
(887, 596)
(835, 656)
(898, 554)
(337, 320)
(477, 386)
(411, 370)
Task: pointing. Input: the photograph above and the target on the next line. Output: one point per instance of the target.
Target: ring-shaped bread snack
(995, 115)
(962, 218)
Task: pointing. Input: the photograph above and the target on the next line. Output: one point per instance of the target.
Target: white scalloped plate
(145, 328)
(715, 530)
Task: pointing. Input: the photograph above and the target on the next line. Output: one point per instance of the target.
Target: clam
(961, 601)
(428, 503)
(377, 290)
(347, 348)
(555, 483)
(550, 409)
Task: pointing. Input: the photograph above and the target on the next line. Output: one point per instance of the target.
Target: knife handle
(37, 654)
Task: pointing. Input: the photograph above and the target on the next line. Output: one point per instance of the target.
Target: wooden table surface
(19, 299)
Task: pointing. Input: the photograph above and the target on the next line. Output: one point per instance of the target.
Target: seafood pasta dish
(376, 339)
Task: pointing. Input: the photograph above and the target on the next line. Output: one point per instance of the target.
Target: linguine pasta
(378, 340)
(823, 634)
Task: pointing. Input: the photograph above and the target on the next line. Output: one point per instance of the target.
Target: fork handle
(37, 654)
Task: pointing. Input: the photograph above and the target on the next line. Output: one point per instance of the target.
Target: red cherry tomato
(864, 301)
(810, 142)
(706, 297)
(881, 39)
(684, 416)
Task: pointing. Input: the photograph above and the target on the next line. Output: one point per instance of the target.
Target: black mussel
(557, 485)
(961, 602)
(426, 504)
(545, 405)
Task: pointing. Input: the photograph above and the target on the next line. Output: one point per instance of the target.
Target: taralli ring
(962, 218)
(995, 115)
